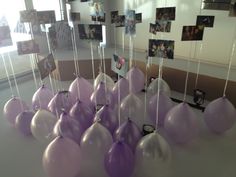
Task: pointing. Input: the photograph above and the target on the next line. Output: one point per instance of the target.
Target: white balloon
(153, 87)
(102, 77)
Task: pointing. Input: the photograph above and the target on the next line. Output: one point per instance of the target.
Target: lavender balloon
(181, 123)
(23, 121)
(62, 158)
(129, 133)
(136, 79)
(220, 115)
(121, 87)
(103, 77)
(153, 87)
(107, 118)
(41, 98)
(68, 127)
(165, 104)
(119, 161)
(12, 108)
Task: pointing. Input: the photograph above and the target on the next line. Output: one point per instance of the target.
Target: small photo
(232, 8)
(163, 26)
(52, 37)
(138, 18)
(97, 9)
(46, 17)
(192, 33)
(75, 16)
(36, 29)
(130, 22)
(84, 0)
(46, 66)
(152, 28)
(165, 13)
(206, 21)
(119, 65)
(90, 32)
(27, 47)
(120, 21)
(99, 18)
(5, 36)
(114, 16)
(27, 16)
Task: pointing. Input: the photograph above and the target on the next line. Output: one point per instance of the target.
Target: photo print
(27, 47)
(232, 8)
(192, 33)
(130, 22)
(99, 18)
(90, 32)
(46, 66)
(165, 13)
(52, 37)
(36, 29)
(152, 28)
(3, 21)
(46, 17)
(163, 26)
(161, 48)
(120, 21)
(138, 18)
(84, 0)
(119, 65)
(97, 9)
(27, 16)
(114, 16)
(5, 36)
(206, 21)
(74, 16)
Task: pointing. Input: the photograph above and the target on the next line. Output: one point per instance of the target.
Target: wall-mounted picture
(206, 21)
(120, 21)
(28, 16)
(161, 48)
(46, 66)
(74, 16)
(163, 25)
(130, 22)
(192, 33)
(36, 29)
(27, 47)
(114, 16)
(90, 32)
(97, 9)
(119, 65)
(99, 18)
(152, 28)
(232, 8)
(45, 17)
(138, 18)
(5, 36)
(165, 13)
(84, 0)
(52, 37)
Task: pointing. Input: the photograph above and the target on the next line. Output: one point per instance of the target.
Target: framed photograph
(119, 65)
(99, 18)
(206, 21)
(120, 21)
(45, 17)
(97, 9)
(232, 8)
(90, 32)
(130, 22)
(192, 33)
(165, 13)
(46, 66)
(114, 16)
(138, 18)
(163, 26)
(152, 28)
(161, 48)
(74, 16)
(27, 16)
(27, 47)
(5, 36)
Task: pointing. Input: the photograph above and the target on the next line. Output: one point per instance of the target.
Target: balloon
(107, 118)
(81, 89)
(62, 101)
(83, 113)
(129, 133)
(153, 155)
(220, 115)
(102, 77)
(121, 86)
(136, 79)
(62, 158)
(164, 87)
(12, 108)
(68, 127)
(165, 104)
(41, 98)
(23, 121)
(119, 161)
(181, 123)
(42, 125)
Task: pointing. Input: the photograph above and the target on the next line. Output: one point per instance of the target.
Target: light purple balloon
(41, 98)
(12, 108)
(62, 101)
(119, 161)
(136, 79)
(121, 87)
(81, 89)
(165, 104)
(129, 133)
(107, 118)
(83, 113)
(68, 127)
(23, 122)
(220, 115)
(181, 123)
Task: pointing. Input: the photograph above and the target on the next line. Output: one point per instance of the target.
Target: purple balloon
(62, 101)
(220, 115)
(107, 118)
(81, 89)
(165, 104)
(41, 98)
(121, 87)
(119, 161)
(83, 113)
(129, 133)
(23, 122)
(68, 127)
(136, 79)
(12, 108)
(181, 123)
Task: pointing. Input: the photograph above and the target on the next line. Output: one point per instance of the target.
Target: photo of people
(114, 16)
(130, 27)
(45, 17)
(120, 21)
(165, 13)
(90, 32)
(97, 9)
(119, 65)
(5, 36)
(75, 16)
(152, 28)
(163, 26)
(232, 8)
(46, 66)
(28, 16)
(99, 18)
(161, 48)
(138, 18)
(192, 33)
(27, 47)
(206, 21)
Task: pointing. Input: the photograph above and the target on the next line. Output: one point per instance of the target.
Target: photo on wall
(27, 47)
(119, 65)
(99, 18)
(97, 9)
(114, 16)
(165, 13)
(74, 16)
(163, 26)
(27, 16)
(130, 22)
(5, 36)
(46, 17)
(120, 21)
(152, 28)
(161, 48)
(206, 21)
(46, 66)
(90, 32)
(192, 33)
(232, 8)
(138, 18)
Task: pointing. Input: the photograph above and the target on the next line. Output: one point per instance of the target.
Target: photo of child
(90, 32)
(192, 33)
(130, 22)
(165, 13)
